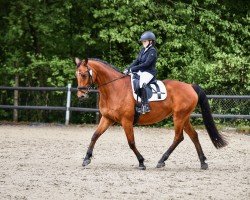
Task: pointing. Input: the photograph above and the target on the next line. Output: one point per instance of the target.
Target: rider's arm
(136, 61)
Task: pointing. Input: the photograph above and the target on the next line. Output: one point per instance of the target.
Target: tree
(203, 42)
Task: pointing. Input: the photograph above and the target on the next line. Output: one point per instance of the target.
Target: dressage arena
(44, 162)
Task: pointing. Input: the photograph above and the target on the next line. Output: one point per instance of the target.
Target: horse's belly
(154, 116)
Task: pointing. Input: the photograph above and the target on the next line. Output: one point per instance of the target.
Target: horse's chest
(111, 110)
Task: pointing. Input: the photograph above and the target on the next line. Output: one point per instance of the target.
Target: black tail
(217, 139)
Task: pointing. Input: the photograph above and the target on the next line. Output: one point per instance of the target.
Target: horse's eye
(84, 75)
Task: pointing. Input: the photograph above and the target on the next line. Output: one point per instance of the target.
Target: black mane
(106, 63)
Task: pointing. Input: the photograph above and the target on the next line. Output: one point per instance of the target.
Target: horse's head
(84, 77)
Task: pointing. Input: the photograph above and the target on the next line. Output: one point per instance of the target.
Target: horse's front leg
(129, 131)
(102, 127)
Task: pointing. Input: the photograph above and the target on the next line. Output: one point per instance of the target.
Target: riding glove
(126, 71)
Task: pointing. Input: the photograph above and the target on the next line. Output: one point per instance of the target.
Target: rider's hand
(126, 71)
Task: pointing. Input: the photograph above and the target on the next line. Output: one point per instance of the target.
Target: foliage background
(205, 42)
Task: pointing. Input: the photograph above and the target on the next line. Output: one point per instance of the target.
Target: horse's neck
(105, 76)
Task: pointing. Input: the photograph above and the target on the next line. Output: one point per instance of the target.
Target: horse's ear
(77, 61)
(86, 61)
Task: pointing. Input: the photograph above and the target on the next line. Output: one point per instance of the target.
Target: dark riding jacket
(146, 61)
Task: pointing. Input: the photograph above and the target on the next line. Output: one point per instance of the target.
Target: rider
(144, 66)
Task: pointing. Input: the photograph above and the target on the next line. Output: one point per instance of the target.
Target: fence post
(97, 114)
(16, 95)
(68, 104)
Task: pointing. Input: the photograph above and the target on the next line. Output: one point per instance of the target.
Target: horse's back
(181, 93)
(181, 98)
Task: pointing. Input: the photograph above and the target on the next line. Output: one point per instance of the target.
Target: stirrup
(139, 110)
(145, 109)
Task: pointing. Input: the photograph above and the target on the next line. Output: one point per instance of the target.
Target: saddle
(156, 90)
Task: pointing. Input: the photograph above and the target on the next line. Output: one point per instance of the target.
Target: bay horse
(117, 105)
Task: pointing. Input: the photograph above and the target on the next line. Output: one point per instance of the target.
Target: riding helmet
(148, 35)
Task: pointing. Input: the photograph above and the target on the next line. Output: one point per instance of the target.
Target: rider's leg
(145, 78)
(145, 106)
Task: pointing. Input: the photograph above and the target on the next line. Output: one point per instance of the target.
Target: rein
(112, 81)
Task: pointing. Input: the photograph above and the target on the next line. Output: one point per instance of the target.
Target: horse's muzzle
(82, 96)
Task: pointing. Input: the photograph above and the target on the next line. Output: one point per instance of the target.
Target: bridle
(90, 84)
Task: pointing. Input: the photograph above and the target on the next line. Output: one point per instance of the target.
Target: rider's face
(145, 43)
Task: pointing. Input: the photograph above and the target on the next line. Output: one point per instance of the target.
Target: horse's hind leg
(194, 137)
(102, 127)
(129, 131)
(178, 124)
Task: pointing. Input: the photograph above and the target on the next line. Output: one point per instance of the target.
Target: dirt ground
(44, 162)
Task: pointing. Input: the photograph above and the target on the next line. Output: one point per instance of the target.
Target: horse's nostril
(86, 96)
(83, 97)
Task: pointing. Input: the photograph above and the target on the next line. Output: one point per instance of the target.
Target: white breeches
(145, 77)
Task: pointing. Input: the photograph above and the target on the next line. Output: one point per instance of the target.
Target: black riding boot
(144, 97)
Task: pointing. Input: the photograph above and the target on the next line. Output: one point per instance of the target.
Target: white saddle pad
(154, 97)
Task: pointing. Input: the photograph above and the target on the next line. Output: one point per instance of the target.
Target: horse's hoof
(160, 164)
(86, 162)
(204, 166)
(142, 167)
